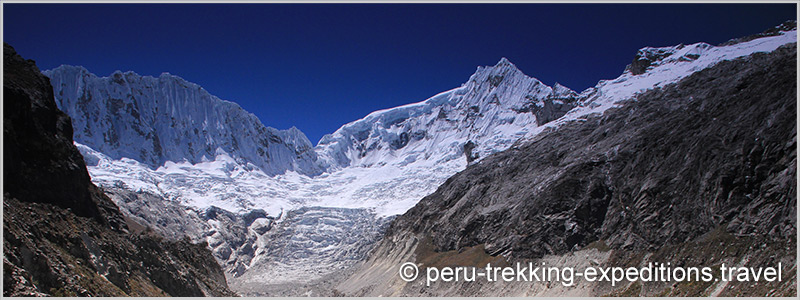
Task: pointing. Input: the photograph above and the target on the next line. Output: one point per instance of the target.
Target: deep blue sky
(318, 67)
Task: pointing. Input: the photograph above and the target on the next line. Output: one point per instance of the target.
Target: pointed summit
(501, 68)
(504, 64)
(503, 61)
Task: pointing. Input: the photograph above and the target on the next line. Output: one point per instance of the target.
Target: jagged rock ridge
(40, 164)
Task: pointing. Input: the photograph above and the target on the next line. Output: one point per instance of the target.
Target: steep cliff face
(700, 171)
(40, 164)
(61, 235)
(154, 120)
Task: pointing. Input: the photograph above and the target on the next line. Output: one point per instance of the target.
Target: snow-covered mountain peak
(158, 119)
(502, 66)
(495, 74)
(505, 74)
(562, 91)
(496, 106)
(503, 61)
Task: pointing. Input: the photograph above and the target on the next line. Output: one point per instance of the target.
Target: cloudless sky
(319, 66)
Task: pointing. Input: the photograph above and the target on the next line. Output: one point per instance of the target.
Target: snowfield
(366, 171)
(385, 190)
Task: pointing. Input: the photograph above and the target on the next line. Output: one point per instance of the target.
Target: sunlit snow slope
(385, 161)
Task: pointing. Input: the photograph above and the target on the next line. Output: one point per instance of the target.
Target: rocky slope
(702, 171)
(61, 235)
(291, 255)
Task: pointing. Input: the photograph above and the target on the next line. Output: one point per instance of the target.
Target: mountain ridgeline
(699, 172)
(154, 120)
(718, 148)
(495, 107)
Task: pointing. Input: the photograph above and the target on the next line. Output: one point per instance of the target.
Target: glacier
(370, 169)
(389, 159)
(384, 162)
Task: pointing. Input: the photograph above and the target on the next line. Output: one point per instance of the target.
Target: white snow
(389, 181)
(387, 190)
(156, 120)
(670, 70)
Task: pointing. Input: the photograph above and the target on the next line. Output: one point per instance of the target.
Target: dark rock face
(468, 147)
(51, 251)
(61, 235)
(40, 163)
(645, 58)
(553, 109)
(166, 218)
(716, 149)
